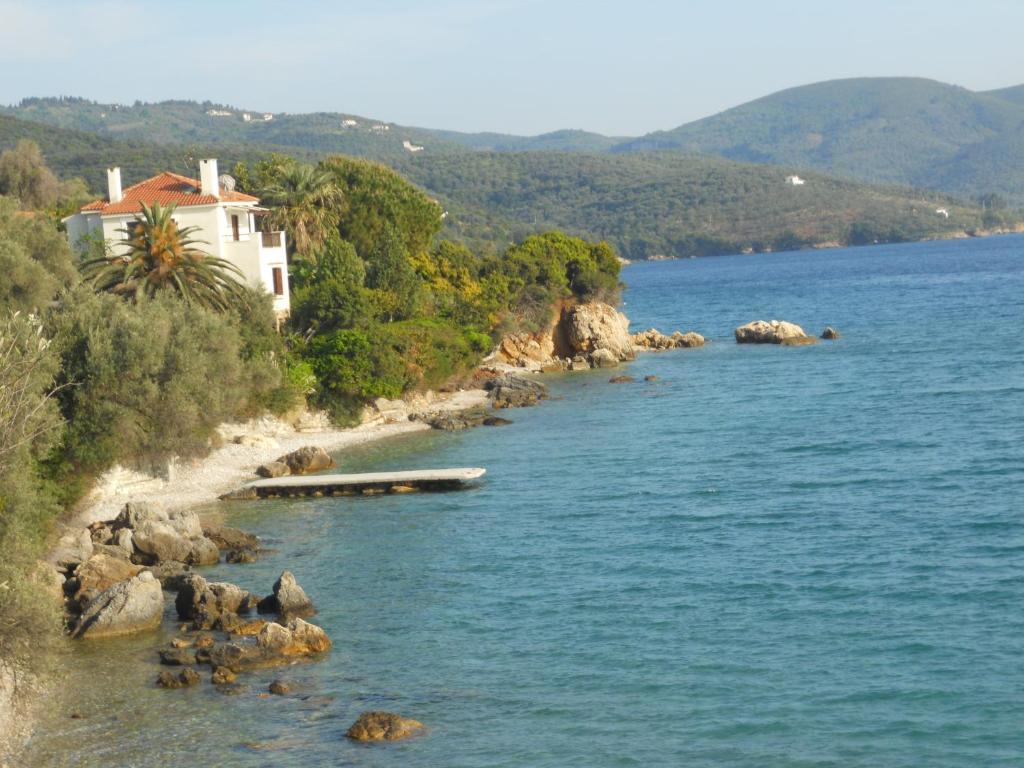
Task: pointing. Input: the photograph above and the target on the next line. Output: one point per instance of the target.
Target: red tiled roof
(166, 189)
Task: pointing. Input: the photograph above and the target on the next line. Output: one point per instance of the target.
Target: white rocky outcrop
(768, 332)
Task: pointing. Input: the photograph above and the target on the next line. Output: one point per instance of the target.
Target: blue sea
(769, 557)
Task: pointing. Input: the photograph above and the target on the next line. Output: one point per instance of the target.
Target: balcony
(270, 239)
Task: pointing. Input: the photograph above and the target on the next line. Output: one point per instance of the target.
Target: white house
(412, 147)
(795, 181)
(226, 222)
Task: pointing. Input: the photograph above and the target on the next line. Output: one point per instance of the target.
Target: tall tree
(159, 256)
(392, 276)
(305, 202)
(24, 175)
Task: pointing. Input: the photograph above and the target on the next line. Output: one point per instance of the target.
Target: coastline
(202, 481)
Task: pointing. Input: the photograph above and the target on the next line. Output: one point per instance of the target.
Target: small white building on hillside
(795, 181)
(226, 221)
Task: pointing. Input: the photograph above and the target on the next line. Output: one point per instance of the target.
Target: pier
(366, 484)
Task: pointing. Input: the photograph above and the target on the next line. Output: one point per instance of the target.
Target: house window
(234, 228)
(278, 281)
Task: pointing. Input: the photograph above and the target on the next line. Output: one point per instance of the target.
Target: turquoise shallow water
(769, 557)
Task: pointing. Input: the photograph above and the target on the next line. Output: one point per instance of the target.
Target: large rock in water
(288, 599)
(131, 606)
(297, 638)
(586, 328)
(209, 603)
(768, 332)
(383, 726)
(511, 391)
(307, 459)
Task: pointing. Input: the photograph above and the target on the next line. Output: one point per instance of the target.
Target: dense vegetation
(670, 204)
(380, 304)
(907, 131)
(134, 360)
(679, 205)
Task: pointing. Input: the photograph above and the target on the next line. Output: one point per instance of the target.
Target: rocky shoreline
(137, 539)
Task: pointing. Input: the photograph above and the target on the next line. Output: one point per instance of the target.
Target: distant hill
(906, 131)
(668, 204)
(183, 122)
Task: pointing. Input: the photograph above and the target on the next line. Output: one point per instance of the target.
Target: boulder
(688, 340)
(603, 358)
(653, 340)
(589, 327)
(799, 341)
(73, 549)
(450, 421)
(496, 421)
(172, 575)
(159, 536)
(830, 334)
(383, 726)
(768, 332)
(208, 603)
(650, 377)
(123, 540)
(298, 638)
(223, 676)
(526, 350)
(621, 380)
(177, 657)
(579, 364)
(184, 679)
(238, 556)
(99, 573)
(230, 538)
(288, 598)
(307, 459)
(279, 688)
(130, 606)
(273, 469)
(511, 391)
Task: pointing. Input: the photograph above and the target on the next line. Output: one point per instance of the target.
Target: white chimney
(209, 184)
(114, 185)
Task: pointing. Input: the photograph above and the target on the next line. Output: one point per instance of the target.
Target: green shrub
(151, 380)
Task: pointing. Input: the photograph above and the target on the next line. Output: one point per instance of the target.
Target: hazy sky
(522, 66)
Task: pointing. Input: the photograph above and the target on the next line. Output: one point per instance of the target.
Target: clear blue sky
(522, 66)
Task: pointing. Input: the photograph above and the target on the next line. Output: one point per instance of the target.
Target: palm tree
(306, 203)
(160, 256)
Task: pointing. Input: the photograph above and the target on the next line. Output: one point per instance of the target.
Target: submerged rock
(830, 334)
(184, 679)
(131, 606)
(768, 332)
(279, 688)
(621, 380)
(383, 726)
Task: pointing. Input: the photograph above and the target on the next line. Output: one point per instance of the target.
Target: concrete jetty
(368, 483)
